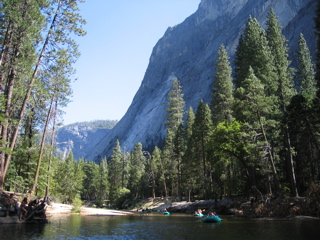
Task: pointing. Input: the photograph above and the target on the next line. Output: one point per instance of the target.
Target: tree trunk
(270, 156)
(52, 145)
(293, 183)
(43, 141)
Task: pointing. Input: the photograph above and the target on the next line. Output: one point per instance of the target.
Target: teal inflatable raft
(211, 219)
(198, 215)
(166, 213)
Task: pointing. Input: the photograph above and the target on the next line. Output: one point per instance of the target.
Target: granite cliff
(188, 51)
(80, 138)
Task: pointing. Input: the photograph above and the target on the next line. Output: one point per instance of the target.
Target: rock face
(188, 51)
(78, 139)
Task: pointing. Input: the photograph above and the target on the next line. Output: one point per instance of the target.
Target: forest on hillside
(106, 124)
(258, 136)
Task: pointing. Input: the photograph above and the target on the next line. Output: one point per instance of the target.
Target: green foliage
(222, 94)
(120, 197)
(253, 50)
(175, 106)
(69, 179)
(105, 124)
(137, 170)
(76, 205)
(115, 170)
(305, 76)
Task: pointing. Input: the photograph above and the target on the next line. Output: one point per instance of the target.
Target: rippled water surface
(156, 226)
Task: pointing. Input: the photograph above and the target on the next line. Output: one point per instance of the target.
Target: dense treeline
(106, 124)
(258, 135)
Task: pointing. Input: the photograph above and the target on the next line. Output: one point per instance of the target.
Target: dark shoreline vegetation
(258, 138)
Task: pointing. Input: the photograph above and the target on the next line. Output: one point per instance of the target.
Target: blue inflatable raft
(198, 215)
(211, 219)
(166, 213)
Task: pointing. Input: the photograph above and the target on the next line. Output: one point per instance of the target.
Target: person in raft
(199, 211)
(23, 208)
(211, 214)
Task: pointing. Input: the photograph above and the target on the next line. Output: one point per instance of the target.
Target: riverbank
(280, 208)
(268, 208)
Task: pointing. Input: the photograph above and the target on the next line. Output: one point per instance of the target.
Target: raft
(166, 213)
(211, 219)
(198, 215)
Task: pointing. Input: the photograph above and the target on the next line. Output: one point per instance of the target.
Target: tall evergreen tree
(152, 169)
(137, 170)
(302, 119)
(285, 90)
(175, 111)
(160, 177)
(255, 105)
(189, 167)
(91, 180)
(69, 179)
(201, 131)
(253, 50)
(175, 106)
(103, 183)
(305, 75)
(179, 151)
(115, 171)
(189, 123)
(222, 94)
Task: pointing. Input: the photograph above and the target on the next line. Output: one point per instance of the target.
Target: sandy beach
(57, 208)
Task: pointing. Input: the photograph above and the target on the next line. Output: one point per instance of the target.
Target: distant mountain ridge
(188, 51)
(79, 138)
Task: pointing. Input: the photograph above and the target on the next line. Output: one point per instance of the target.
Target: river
(156, 226)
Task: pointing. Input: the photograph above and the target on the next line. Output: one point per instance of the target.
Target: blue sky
(115, 53)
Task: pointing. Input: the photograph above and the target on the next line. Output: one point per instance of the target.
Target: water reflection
(160, 227)
(21, 231)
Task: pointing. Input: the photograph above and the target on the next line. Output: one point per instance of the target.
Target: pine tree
(285, 90)
(137, 170)
(189, 167)
(115, 171)
(68, 179)
(255, 105)
(302, 119)
(253, 50)
(201, 131)
(152, 169)
(222, 94)
(179, 151)
(189, 122)
(175, 106)
(305, 73)
(103, 183)
(160, 175)
(90, 186)
(175, 111)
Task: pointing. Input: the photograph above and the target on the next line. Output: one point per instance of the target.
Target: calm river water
(156, 226)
